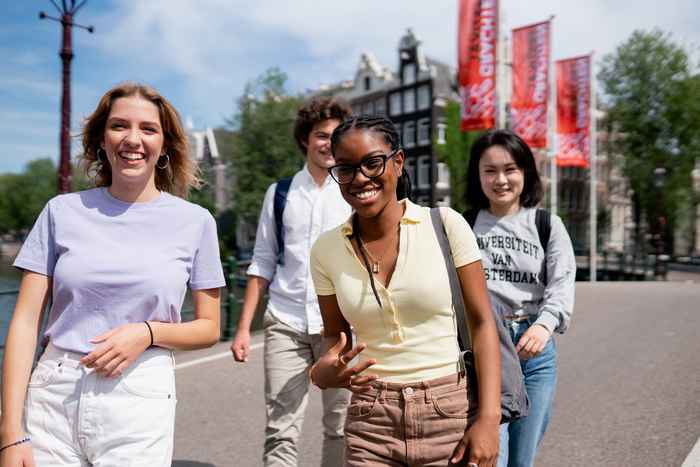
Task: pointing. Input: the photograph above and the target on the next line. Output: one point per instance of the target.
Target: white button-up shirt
(310, 211)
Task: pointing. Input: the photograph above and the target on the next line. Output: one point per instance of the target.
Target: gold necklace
(376, 263)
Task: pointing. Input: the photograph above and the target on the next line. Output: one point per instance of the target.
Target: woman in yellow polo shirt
(382, 272)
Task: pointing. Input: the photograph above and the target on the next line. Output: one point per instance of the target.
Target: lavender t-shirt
(114, 262)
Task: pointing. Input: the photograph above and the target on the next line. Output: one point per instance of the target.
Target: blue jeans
(519, 440)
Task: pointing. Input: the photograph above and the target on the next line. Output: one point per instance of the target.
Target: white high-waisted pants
(78, 418)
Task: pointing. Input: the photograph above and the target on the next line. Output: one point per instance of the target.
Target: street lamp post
(659, 224)
(67, 11)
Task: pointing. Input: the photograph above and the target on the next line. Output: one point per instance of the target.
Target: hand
(18, 456)
(532, 342)
(480, 442)
(117, 349)
(240, 347)
(332, 371)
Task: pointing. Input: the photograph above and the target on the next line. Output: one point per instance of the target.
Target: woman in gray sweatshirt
(530, 270)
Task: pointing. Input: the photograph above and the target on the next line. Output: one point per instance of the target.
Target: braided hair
(385, 128)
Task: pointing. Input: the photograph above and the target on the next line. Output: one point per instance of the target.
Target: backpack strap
(470, 215)
(280, 201)
(543, 222)
(455, 286)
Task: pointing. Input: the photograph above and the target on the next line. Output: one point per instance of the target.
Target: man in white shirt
(292, 321)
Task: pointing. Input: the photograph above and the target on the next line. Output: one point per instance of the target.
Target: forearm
(484, 337)
(332, 336)
(17, 364)
(196, 334)
(203, 331)
(488, 364)
(254, 291)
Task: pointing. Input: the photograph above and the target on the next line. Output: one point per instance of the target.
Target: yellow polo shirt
(414, 336)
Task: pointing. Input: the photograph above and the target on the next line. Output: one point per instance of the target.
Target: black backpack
(543, 223)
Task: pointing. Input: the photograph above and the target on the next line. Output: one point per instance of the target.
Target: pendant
(375, 268)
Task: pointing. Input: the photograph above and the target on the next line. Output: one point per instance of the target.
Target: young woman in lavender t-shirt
(116, 262)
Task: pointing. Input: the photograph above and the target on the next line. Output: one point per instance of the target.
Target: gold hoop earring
(167, 162)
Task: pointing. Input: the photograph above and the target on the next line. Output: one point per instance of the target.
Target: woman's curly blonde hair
(181, 173)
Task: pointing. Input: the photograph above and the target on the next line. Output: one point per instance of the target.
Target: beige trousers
(288, 356)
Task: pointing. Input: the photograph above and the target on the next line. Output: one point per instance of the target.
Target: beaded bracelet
(21, 441)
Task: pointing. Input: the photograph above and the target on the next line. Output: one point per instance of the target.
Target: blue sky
(200, 54)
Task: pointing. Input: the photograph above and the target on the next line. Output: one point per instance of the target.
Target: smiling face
(318, 147)
(501, 180)
(133, 140)
(368, 196)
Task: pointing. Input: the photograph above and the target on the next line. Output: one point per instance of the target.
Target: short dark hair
(316, 110)
(522, 154)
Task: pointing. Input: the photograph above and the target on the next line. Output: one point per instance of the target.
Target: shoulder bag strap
(455, 286)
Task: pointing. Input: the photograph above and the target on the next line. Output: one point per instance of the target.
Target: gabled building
(413, 97)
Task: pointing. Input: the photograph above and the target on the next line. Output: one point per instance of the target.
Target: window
(399, 129)
(409, 73)
(424, 131)
(395, 103)
(368, 108)
(368, 83)
(409, 134)
(423, 170)
(409, 100)
(443, 176)
(423, 97)
(441, 127)
(380, 106)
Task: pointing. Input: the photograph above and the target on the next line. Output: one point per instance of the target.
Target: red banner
(573, 111)
(531, 83)
(477, 40)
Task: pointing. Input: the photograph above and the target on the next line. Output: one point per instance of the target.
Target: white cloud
(201, 53)
(218, 41)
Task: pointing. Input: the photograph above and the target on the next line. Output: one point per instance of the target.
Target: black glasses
(372, 167)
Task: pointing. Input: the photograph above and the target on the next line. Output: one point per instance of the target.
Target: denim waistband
(153, 356)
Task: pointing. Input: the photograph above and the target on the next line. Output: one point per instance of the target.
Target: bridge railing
(625, 266)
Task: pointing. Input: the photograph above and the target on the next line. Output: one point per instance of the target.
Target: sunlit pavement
(627, 393)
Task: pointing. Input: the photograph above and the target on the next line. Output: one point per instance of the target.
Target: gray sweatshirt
(514, 262)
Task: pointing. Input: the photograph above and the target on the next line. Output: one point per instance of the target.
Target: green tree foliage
(455, 153)
(23, 195)
(653, 113)
(264, 149)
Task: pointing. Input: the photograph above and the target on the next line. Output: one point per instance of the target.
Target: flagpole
(501, 71)
(593, 230)
(551, 108)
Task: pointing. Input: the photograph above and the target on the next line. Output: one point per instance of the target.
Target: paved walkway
(628, 388)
